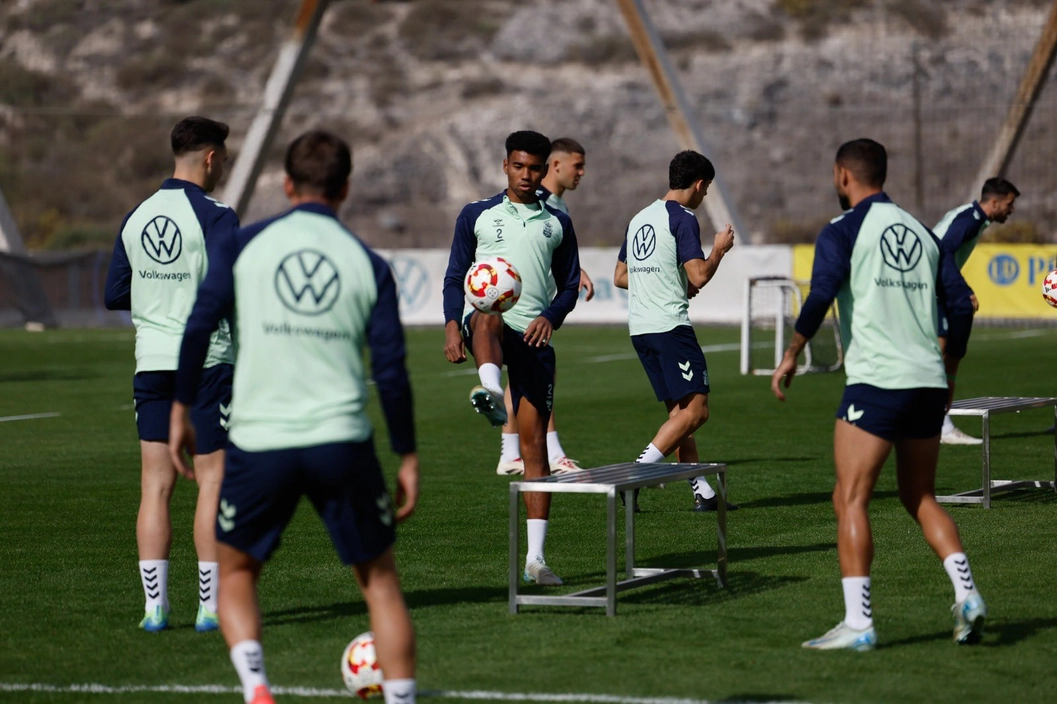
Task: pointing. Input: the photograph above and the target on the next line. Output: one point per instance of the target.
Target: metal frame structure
(783, 285)
(610, 481)
(983, 408)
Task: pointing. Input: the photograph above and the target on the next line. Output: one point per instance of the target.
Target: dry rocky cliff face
(426, 91)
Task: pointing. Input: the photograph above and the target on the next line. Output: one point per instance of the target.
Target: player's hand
(407, 486)
(724, 240)
(587, 285)
(691, 290)
(454, 349)
(976, 303)
(181, 439)
(538, 333)
(785, 370)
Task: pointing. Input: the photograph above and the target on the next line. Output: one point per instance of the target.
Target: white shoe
(969, 618)
(514, 466)
(565, 465)
(538, 572)
(843, 637)
(957, 437)
(489, 403)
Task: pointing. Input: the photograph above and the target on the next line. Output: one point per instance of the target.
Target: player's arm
(699, 271)
(463, 248)
(565, 267)
(385, 337)
(220, 233)
(960, 231)
(620, 275)
(587, 285)
(955, 300)
(118, 292)
(215, 300)
(831, 269)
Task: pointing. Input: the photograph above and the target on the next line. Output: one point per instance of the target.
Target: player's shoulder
(679, 215)
(472, 211)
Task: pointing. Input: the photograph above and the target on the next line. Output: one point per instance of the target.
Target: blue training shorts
(673, 362)
(343, 481)
(152, 393)
(530, 370)
(891, 414)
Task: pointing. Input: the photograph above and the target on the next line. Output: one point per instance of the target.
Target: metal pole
(1005, 145)
(654, 56)
(277, 93)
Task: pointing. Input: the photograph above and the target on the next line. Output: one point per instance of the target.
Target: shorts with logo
(674, 362)
(530, 370)
(152, 393)
(344, 482)
(891, 414)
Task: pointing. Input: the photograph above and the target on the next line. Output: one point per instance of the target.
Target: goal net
(772, 305)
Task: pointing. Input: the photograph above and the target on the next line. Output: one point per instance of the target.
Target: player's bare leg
(510, 461)
(532, 427)
(394, 636)
(684, 417)
(916, 470)
(209, 473)
(154, 531)
(487, 399)
(240, 620)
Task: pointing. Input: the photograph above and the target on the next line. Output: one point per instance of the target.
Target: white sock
(957, 566)
(701, 487)
(537, 536)
(510, 450)
(208, 579)
(650, 454)
(858, 611)
(554, 447)
(248, 658)
(155, 577)
(491, 377)
(948, 425)
(399, 691)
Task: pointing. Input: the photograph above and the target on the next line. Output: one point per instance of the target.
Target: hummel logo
(687, 373)
(225, 410)
(854, 415)
(383, 507)
(226, 516)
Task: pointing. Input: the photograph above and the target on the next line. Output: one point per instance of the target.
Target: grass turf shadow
(418, 599)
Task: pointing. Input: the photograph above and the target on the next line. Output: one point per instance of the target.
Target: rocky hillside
(426, 91)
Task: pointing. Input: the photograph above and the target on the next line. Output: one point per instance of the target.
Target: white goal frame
(782, 315)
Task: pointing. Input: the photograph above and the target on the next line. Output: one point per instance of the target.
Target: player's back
(164, 239)
(305, 292)
(887, 303)
(959, 230)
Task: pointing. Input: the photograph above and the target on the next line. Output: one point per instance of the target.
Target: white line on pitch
(333, 693)
(31, 416)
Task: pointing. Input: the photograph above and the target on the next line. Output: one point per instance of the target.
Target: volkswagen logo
(307, 282)
(162, 240)
(644, 242)
(1003, 269)
(412, 282)
(901, 247)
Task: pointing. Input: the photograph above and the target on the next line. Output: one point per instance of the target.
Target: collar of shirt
(514, 209)
(179, 183)
(317, 208)
(980, 214)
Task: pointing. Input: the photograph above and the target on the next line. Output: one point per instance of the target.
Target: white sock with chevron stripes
(858, 610)
(957, 566)
(155, 577)
(208, 573)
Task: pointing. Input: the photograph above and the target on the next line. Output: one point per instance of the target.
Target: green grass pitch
(70, 597)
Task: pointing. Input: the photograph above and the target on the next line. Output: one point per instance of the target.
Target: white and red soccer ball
(493, 285)
(359, 667)
(1049, 288)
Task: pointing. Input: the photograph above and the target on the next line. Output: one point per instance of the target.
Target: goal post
(771, 306)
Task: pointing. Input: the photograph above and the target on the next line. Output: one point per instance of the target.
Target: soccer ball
(359, 667)
(1049, 288)
(493, 285)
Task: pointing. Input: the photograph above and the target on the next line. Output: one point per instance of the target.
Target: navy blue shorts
(153, 393)
(530, 370)
(343, 481)
(674, 362)
(891, 414)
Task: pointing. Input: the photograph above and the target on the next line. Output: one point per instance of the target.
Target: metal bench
(985, 407)
(612, 480)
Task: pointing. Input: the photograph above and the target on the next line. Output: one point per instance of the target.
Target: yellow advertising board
(1006, 278)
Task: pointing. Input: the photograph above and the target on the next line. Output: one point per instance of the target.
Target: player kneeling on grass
(667, 268)
(308, 297)
(887, 272)
(539, 242)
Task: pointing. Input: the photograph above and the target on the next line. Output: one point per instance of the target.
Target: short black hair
(193, 134)
(866, 159)
(687, 167)
(998, 187)
(530, 142)
(319, 162)
(567, 145)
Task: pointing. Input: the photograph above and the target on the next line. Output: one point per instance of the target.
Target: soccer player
(540, 243)
(958, 232)
(668, 268)
(308, 296)
(565, 168)
(888, 273)
(160, 258)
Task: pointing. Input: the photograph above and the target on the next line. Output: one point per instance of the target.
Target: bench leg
(987, 460)
(611, 552)
(1055, 448)
(721, 530)
(515, 546)
(629, 534)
